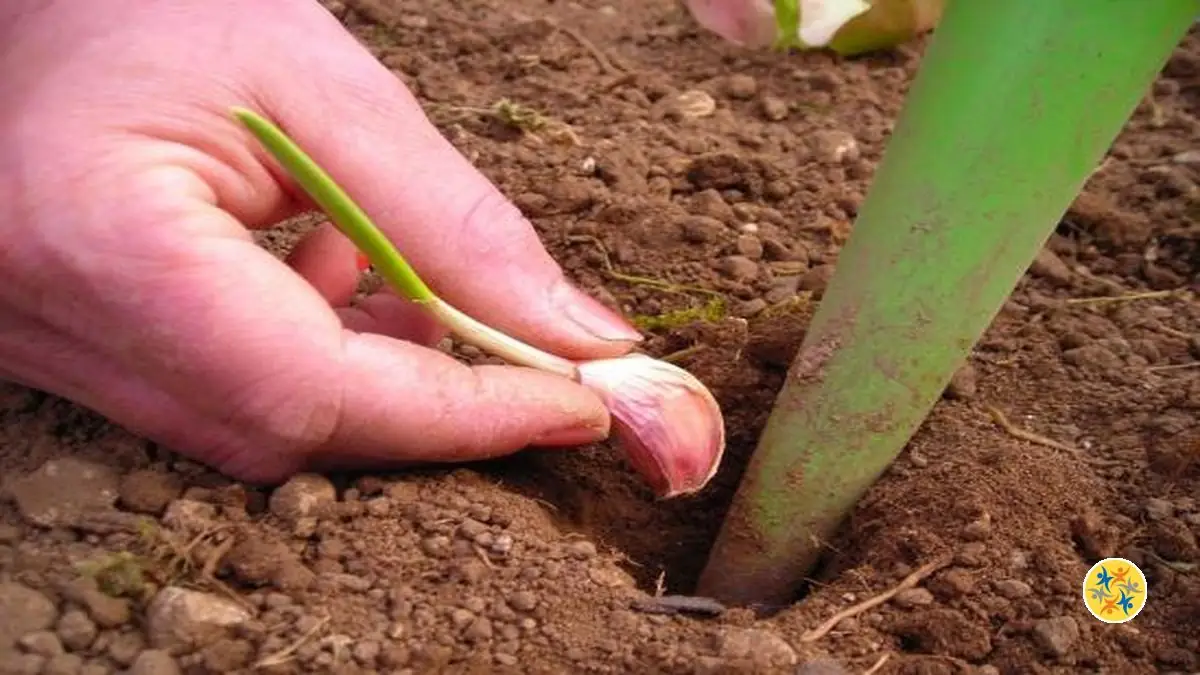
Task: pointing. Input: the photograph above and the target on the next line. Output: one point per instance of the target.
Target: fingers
(326, 260)
(460, 233)
(405, 403)
(257, 375)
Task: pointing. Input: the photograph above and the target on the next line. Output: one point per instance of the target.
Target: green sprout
(352, 221)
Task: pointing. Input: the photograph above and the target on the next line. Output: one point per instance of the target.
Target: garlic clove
(666, 420)
(746, 23)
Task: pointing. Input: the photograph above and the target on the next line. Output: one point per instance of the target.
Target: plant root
(854, 610)
(1017, 432)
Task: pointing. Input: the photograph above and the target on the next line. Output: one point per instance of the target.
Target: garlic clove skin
(746, 23)
(666, 420)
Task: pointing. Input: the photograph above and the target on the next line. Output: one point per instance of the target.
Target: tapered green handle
(1014, 105)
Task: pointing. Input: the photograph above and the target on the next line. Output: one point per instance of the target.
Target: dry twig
(1127, 297)
(1024, 434)
(854, 610)
(878, 664)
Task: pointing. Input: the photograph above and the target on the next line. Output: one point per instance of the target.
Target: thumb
(463, 236)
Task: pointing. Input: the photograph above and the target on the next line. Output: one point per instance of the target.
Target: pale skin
(130, 283)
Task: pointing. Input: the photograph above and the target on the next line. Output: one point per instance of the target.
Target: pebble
(749, 246)
(816, 279)
(227, 655)
(1013, 588)
(179, 617)
(305, 495)
(42, 642)
(701, 229)
(833, 146)
(693, 104)
(23, 610)
(366, 652)
(1158, 509)
(740, 86)
(773, 108)
(16, 663)
(821, 667)
(125, 647)
(739, 268)
(254, 561)
(750, 308)
(480, 630)
(964, 384)
(914, 597)
(1056, 635)
(63, 664)
(1049, 266)
(523, 601)
(1093, 356)
(105, 610)
(62, 491)
(764, 649)
(190, 516)
(150, 492)
(154, 662)
(582, 549)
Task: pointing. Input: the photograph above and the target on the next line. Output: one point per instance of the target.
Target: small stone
(701, 229)
(154, 662)
(95, 668)
(105, 610)
(764, 649)
(1013, 589)
(190, 516)
(125, 646)
(739, 268)
(62, 491)
(773, 108)
(1049, 266)
(149, 491)
(1158, 509)
(749, 246)
(16, 663)
(179, 617)
(22, 610)
(63, 664)
(1093, 357)
(694, 104)
(741, 86)
(366, 652)
(978, 529)
(227, 655)
(437, 546)
(42, 642)
(305, 495)
(817, 279)
(255, 560)
(964, 384)
(582, 549)
(9, 534)
(480, 630)
(833, 146)
(750, 308)
(1057, 635)
(523, 601)
(914, 597)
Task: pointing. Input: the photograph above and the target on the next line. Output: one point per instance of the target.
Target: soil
(668, 154)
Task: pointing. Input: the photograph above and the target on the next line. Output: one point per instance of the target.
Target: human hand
(130, 283)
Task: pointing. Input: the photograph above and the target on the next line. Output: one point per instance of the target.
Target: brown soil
(543, 562)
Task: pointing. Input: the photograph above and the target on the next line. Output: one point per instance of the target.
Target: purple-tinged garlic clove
(666, 421)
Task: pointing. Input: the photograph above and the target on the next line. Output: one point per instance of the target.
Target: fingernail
(576, 435)
(593, 317)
